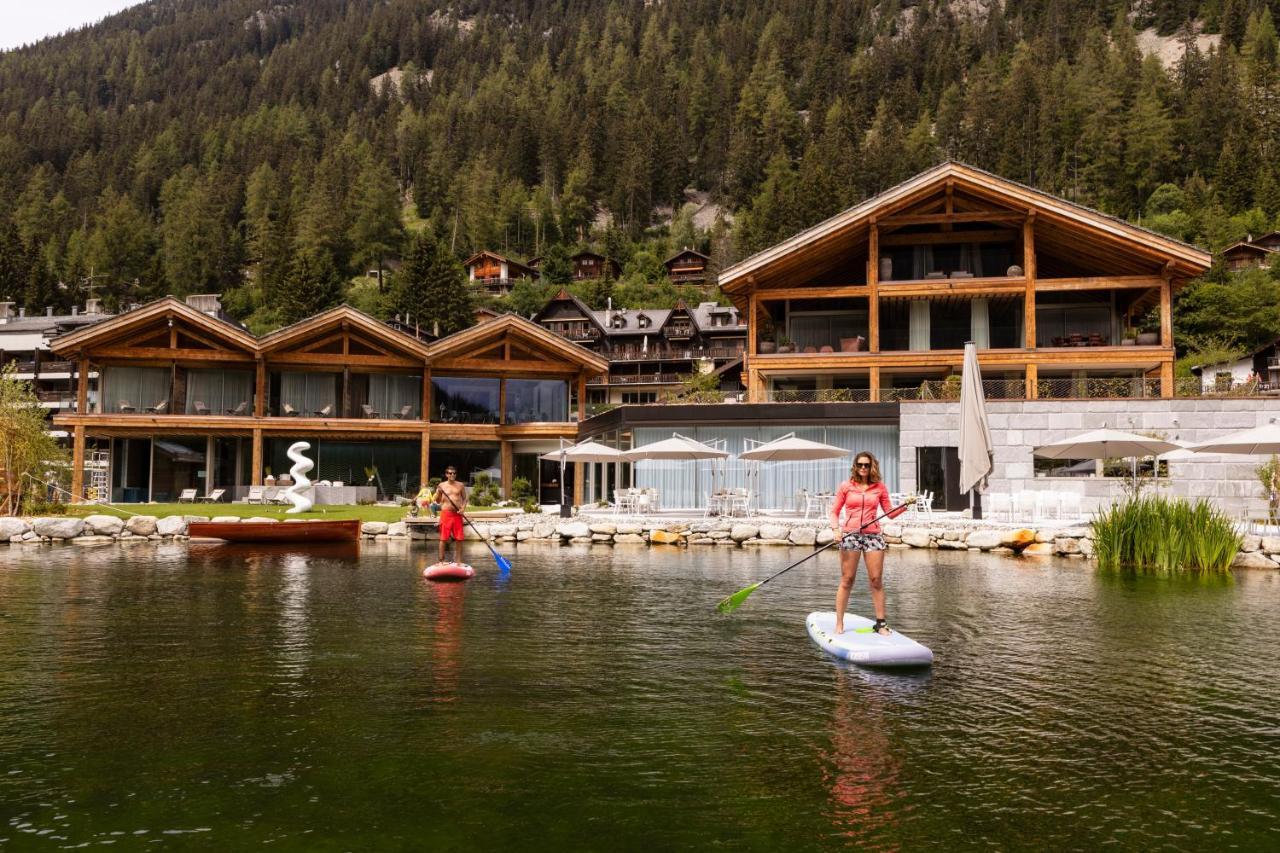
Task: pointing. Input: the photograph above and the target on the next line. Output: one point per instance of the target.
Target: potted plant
(1129, 338)
(785, 344)
(1148, 339)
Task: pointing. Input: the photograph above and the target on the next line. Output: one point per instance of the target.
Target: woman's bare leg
(875, 577)
(848, 571)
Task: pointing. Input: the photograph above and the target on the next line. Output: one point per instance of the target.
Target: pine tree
(121, 247)
(375, 230)
(313, 285)
(14, 263)
(1234, 181)
(430, 288)
(556, 267)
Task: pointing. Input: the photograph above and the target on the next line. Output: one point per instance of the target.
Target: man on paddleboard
(452, 497)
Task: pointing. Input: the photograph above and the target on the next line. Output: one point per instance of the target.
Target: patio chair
(288, 411)
(201, 408)
(326, 411)
(187, 496)
(126, 407)
(369, 411)
(270, 494)
(924, 504)
(1069, 506)
(159, 408)
(254, 496)
(405, 411)
(1048, 503)
(240, 409)
(998, 503)
(214, 496)
(1026, 506)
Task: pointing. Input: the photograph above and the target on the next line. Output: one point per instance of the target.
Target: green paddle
(733, 602)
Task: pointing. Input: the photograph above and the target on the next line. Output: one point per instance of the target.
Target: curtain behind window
(919, 325)
(980, 324)
(139, 387)
(390, 393)
(308, 393)
(221, 391)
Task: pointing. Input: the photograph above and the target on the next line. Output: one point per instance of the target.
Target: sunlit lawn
(364, 513)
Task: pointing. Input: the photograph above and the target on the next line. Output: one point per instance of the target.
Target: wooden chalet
(186, 400)
(877, 301)
(687, 267)
(650, 349)
(588, 266)
(1250, 253)
(495, 274)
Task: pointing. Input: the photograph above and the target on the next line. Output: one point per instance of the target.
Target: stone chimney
(93, 306)
(6, 311)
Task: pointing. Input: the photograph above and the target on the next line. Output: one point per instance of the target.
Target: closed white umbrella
(1105, 444)
(975, 435)
(789, 448)
(1257, 441)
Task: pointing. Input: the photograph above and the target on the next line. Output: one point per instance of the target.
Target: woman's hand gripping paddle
(733, 602)
(503, 563)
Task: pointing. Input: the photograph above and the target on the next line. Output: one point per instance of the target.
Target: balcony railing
(825, 395)
(655, 354)
(645, 379)
(679, 330)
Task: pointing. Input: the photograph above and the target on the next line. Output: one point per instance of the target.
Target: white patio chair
(997, 503)
(187, 496)
(1069, 506)
(1025, 506)
(924, 504)
(254, 496)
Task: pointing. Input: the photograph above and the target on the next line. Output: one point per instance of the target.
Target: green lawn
(364, 513)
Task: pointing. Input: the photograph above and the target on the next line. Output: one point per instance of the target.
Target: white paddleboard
(859, 644)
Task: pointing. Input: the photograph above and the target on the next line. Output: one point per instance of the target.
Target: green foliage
(430, 288)
(1240, 312)
(484, 492)
(696, 387)
(1161, 534)
(312, 285)
(1268, 475)
(556, 267)
(26, 449)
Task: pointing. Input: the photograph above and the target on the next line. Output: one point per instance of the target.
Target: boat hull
(347, 530)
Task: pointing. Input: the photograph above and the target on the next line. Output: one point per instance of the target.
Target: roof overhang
(461, 343)
(167, 307)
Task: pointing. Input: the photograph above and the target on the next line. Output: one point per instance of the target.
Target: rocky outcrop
(141, 525)
(11, 527)
(57, 528)
(103, 525)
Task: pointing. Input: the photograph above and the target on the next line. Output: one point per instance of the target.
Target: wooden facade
(494, 273)
(881, 298)
(687, 267)
(348, 358)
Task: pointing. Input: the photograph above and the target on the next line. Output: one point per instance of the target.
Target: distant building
(495, 274)
(687, 267)
(1251, 253)
(1262, 365)
(24, 343)
(649, 349)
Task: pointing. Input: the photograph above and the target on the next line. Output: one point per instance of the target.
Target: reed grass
(1167, 535)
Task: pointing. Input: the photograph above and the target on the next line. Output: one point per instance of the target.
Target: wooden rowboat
(347, 530)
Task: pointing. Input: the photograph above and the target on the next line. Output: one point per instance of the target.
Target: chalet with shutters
(687, 267)
(1251, 253)
(187, 400)
(495, 274)
(877, 302)
(650, 349)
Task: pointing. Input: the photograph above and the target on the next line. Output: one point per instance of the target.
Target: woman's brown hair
(874, 476)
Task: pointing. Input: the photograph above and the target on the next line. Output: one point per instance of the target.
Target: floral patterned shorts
(862, 542)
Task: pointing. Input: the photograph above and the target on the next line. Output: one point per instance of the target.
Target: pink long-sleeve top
(861, 507)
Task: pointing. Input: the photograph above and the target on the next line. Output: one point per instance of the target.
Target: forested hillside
(272, 151)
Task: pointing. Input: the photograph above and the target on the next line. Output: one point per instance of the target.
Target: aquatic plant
(1162, 534)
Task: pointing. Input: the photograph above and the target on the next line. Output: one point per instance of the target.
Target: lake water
(216, 698)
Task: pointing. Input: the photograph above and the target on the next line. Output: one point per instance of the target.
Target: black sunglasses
(862, 464)
(451, 473)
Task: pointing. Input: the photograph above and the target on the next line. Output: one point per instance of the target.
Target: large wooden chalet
(650, 349)
(186, 400)
(877, 301)
(495, 274)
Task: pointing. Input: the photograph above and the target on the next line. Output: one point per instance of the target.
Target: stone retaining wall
(1257, 552)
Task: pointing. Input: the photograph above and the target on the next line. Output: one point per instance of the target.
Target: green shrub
(1163, 534)
(484, 492)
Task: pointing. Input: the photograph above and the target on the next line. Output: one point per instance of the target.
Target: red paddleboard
(448, 572)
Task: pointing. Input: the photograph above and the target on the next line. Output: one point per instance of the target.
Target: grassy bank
(364, 513)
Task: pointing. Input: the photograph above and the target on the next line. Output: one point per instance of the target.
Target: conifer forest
(277, 152)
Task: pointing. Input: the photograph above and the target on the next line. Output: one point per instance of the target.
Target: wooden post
(508, 468)
(873, 383)
(1032, 380)
(1166, 379)
(255, 461)
(1166, 312)
(424, 454)
(346, 393)
(502, 401)
(82, 387)
(873, 289)
(577, 484)
(582, 396)
(260, 402)
(426, 395)
(1029, 269)
(77, 466)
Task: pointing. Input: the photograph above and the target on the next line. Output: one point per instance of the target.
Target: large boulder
(1039, 549)
(373, 528)
(103, 525)
(803, 536)
(743, 532)
(823, 536)
(1066, 545)
(773, 531)
(630, 529)
(58, 528)
(1253, 560)
(1086, 547)
(575, 530)
(544, 529)
(984, 539)
(916, 537)
(718, 534)
(1250, 542)
(952, 544)
(1270, 544)
(10, 527)
(496, 530)
(664, 537)
(141, 525)
(1019, 539)
(225, 519)
(171, 525)
(628, 539)
(604, 527)
(398, 528)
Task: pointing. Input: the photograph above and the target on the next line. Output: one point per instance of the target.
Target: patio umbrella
(788, 448)
(1105, 444)
(586, 451)
(679, 448)
(975, 436)
(1257, 441)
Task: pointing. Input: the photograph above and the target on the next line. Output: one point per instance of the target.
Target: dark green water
(218, 699)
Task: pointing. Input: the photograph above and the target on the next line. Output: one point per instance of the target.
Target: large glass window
(826, 329)
(537, 401)
(308, 394)
(395, 396)
(136, 390)
(219, 392)
(459, 400)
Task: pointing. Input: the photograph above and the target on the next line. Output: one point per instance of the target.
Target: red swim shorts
(450, 525)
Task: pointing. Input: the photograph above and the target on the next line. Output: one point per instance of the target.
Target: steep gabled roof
(465, 341)
(511, 264)
(1187, 261)
(682, 253)
(565, 296)
(1246, 246)
(335, 317)
(165, 307)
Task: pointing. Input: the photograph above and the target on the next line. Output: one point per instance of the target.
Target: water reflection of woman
(861, 769)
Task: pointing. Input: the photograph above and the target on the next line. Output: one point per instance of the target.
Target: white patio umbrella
(1257, 441)
(787, 448)
(975, 435)
(586, 451)
(1105, 444)
(679, 448)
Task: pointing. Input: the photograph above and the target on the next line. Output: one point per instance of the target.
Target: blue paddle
(503, 563)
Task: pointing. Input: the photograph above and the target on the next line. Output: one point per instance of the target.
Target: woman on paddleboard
(862, 498)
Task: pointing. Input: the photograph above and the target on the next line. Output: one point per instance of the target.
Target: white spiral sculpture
(301, 465)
